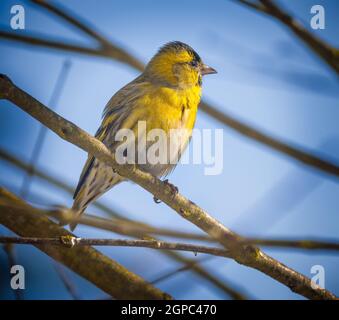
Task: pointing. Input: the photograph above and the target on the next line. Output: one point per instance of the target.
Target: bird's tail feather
(78, 211)
(91, 189)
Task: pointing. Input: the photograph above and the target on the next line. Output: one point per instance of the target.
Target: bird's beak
(205, 69)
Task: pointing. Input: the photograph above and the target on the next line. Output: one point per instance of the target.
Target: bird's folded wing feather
(116, 110)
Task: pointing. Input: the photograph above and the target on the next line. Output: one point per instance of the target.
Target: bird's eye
(194, 63)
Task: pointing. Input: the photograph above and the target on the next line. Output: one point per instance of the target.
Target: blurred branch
(72, 241)
(69, 285)
(53, 44)
(253, 5)
(183, 268)
(296, 244)
(125, 226)
(326, 52)
(55, 182)
(107, 49)
(103, 272)
(235, 289)
(248, 255)
(61, 79)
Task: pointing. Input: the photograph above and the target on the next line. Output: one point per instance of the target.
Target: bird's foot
(174, 189)
(156, 200)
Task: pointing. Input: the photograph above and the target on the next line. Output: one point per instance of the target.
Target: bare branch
(25, 187)
(183, 268)
(71, 241)
(253, 5)
(69, 285)
(248, 255)
(53, 44)
(306, 244)
(103, 272)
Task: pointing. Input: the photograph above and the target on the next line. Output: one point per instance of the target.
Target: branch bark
(306, 244)
(248, 255)
(97, 268)
(72, 241)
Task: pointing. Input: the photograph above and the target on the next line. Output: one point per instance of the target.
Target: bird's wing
(85, 171)
(116, 110)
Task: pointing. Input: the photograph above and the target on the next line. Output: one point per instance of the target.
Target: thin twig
(35, 40)
(234, 290)
(248, 255)
(68, 283)
(305, 244)
(183, 268)
(70, 241)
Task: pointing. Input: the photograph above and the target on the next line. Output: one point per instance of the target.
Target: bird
(164, 96)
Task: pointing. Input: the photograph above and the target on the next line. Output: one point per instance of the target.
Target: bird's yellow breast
(166, 108)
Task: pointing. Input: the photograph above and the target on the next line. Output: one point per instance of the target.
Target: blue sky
(266, 77)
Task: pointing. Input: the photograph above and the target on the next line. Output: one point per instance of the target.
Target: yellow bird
(165, 96)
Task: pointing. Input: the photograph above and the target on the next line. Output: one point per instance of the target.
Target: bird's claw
(156, 200)
(174, 188)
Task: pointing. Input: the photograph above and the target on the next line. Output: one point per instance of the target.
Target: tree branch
(248, 255)
(253, 5)
(103, 272)
(53, 44)
(306, 244)
(71, 241)
(68, 283)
